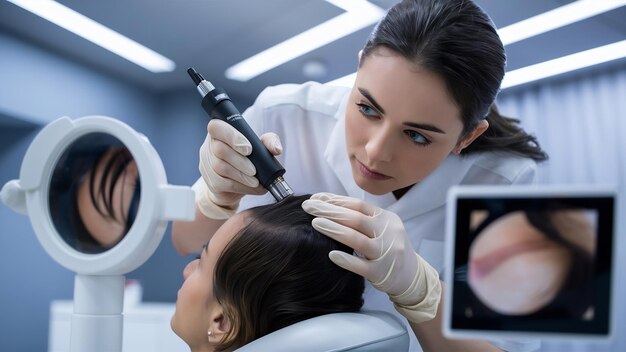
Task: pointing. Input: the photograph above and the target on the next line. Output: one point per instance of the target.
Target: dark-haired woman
(264, 269)
(419, 119)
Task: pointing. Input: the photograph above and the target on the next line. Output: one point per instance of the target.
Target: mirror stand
(97, 322)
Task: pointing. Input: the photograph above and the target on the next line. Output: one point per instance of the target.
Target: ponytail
(504, 134)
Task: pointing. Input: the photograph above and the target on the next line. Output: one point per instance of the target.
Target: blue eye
(417, 138)
(367, 110)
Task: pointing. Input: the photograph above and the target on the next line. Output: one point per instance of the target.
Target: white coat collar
(432, 191)
(427, 195)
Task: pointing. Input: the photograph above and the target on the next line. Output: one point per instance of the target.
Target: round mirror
(80, 185)
(94, 193)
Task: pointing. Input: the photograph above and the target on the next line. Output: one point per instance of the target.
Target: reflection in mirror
(94, 193)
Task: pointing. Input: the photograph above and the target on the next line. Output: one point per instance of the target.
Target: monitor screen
(529, 261)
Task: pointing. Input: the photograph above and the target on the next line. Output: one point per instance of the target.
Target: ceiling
(212, 35)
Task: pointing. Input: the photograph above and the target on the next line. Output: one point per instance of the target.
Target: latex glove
(384, 256)
(226, 171)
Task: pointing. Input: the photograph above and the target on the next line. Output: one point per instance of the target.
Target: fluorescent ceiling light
(542, 70)
(98, 34)
(359, 14)
(559, 17)
(562, 16)
(565, 64)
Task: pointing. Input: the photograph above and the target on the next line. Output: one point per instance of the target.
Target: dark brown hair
(456, 40)
(75, 166)
(276, 272)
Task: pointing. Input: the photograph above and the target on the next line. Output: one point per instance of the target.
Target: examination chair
(363, 331)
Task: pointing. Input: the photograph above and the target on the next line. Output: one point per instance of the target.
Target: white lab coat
(309, 119)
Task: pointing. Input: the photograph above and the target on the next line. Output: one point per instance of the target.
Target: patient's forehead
(230, 228)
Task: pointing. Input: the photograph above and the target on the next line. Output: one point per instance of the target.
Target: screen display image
(532, 264)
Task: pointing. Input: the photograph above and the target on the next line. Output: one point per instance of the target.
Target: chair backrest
(363, 331)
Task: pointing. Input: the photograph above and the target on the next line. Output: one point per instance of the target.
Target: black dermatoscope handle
(218, 105)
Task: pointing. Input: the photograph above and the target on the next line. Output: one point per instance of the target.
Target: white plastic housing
(159, 201)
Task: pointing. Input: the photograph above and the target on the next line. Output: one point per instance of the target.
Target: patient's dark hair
(275, 272)
(75, 166)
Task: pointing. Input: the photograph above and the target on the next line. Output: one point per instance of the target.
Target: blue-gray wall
(36, 87)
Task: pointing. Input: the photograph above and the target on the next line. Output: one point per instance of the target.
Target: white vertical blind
(581, 123)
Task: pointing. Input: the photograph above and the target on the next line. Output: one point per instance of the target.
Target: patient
(264, 269)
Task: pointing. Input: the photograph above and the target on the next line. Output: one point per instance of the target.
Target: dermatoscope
(218, 105)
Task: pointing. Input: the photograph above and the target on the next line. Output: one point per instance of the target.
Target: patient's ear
(219, 326)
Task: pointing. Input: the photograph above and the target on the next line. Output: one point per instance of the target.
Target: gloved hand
(227, 172)
(384, 256)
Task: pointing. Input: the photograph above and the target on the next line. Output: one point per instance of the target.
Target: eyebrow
(424, 127)
(369, 97)
(421, 126)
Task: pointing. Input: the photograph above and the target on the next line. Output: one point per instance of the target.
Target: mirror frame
(159, 201)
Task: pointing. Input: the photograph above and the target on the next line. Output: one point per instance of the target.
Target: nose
(190, 268)
(379, 147)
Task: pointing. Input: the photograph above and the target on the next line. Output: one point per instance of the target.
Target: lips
(373, 175)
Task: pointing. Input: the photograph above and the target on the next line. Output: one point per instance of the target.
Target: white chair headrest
(363, 331)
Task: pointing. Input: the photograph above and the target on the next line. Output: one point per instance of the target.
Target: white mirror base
(97, 322)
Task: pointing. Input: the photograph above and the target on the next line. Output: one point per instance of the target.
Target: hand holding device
(226, 170)
(384, 256)
(266, 168)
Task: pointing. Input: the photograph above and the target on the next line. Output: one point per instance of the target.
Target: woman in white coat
(419, 119)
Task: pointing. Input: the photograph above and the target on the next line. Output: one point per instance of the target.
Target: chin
(372, 187)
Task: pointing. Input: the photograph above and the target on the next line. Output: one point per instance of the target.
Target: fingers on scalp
(349, 262)
(346, 216)
(331, 211)
(347, 202)
(355, 204)
(322, 196)
(343, 234)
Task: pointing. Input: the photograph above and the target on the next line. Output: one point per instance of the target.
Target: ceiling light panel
(559, 17)
(98, 34)
(359, 14)
(565, 64)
